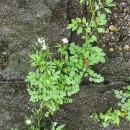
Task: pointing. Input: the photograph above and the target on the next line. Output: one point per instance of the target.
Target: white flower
(44, 46)
(97, 7)
(54, 123)
(65, 40)
(28, 122)
(41, 40)
(86, 24)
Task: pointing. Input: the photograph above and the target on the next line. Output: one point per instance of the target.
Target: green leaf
(78, 20)
(101, 19)
(73, 21)
(128, 117)
(81, 1)
(107, 10)
(49, 72)
(74, 28)
(109, 1)
(84, 20)
(93, 24)
(94, 38)
(128, 87)
(33, 64)
(70, 26)
(101, 30)
(116, 92)
(79, 30)
(88, 29)
(72, 44)
(60, 127)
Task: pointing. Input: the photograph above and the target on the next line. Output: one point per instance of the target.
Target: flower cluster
(97, 7)
(28, 122)
(42, 42)
(65, 40)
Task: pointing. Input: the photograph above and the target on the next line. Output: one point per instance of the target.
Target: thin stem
(99, 2)
(61, 55)
(92, 18)
(93, 30)
(92, 12)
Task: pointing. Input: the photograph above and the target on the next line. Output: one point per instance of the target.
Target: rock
(111, 49)
(21, 23)
(126, 47)
(113, 28)
(120, 48)
(128, 22)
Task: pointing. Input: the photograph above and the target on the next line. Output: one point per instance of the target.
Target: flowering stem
(92, 18)
(92, 12)
(61, 55)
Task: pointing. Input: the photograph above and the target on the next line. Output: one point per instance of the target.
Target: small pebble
(128, 22)
(111, 49)
(111, 33)
(113, 28)
(126, 47)
(120, 48)
(103, 45)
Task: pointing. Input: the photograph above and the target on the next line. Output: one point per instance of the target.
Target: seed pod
(86, 64)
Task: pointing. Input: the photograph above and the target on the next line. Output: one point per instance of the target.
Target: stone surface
(14, 105)
(22, 22)
(91, 98)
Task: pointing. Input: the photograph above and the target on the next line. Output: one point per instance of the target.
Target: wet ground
(92, 98)
(14, 105)
(21, 25)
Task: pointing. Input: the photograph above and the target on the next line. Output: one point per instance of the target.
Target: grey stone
(22, 22)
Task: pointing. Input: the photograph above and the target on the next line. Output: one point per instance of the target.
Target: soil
(22, 22)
